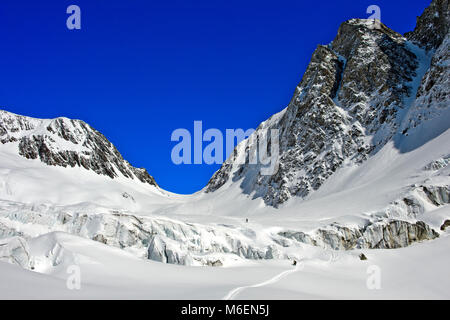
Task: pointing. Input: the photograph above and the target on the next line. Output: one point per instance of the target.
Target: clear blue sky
(138, 69)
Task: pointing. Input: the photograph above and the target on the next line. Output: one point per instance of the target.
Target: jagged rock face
(433, 95)
(348, 92)
(432, 26)
(351, 101)
(67, 143)
(377, 76)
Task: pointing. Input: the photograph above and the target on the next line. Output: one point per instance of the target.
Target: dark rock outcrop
(432, 26)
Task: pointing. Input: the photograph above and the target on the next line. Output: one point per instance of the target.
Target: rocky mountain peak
(355, 32)
(432, 26)
(350, 102)
(67, 143)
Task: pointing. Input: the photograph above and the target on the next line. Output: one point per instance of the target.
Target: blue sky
(137, 70)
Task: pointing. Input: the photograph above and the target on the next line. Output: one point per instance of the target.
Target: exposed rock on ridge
(67, 143)
(432, 26)
(367, 87)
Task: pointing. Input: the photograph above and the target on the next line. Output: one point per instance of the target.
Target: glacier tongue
(67, 143)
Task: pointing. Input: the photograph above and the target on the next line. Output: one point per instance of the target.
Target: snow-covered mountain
(67, 143)
(369, 86)
(364, 164)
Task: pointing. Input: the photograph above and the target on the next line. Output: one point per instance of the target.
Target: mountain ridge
(354, 97)
(67, 142)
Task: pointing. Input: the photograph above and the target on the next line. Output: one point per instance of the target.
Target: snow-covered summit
(67, 143)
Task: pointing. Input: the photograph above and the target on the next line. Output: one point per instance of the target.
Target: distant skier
(246, 220)
(294, 263)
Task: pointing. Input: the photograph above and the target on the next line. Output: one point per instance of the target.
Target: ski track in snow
(233, 293)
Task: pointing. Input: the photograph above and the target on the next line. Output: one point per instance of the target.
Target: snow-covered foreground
(419, 271)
